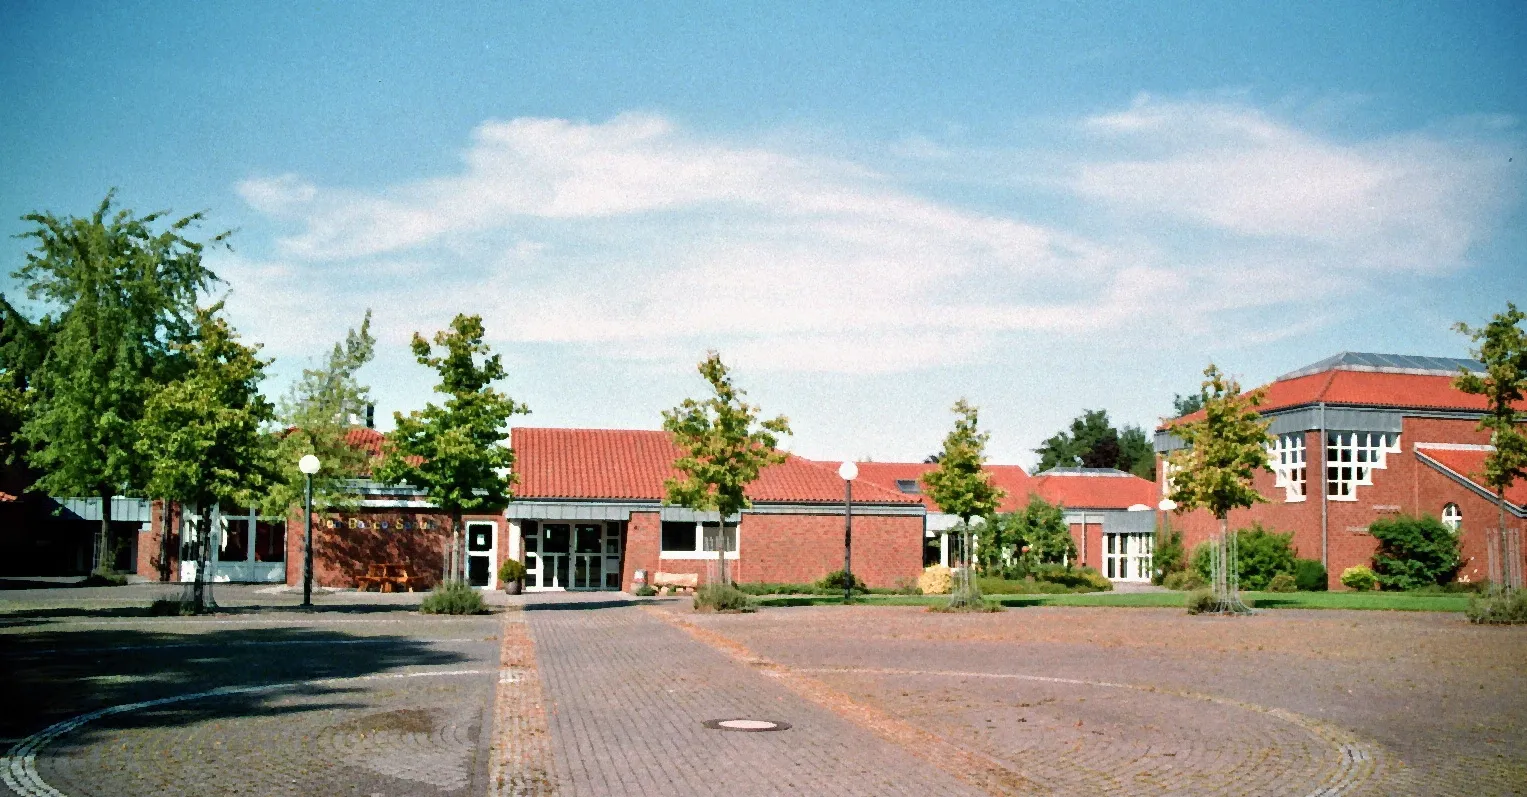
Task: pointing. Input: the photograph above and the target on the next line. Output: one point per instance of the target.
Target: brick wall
(1405, 486)
(148, 542)
(794, 549)
(1089, 544)
(342, 552)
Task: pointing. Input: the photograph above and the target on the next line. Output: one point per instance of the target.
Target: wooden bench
(386, 578)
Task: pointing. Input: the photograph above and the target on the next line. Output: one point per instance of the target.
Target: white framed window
(1287, 457)
(688, 540)
(1452, 517)
(1351, 459)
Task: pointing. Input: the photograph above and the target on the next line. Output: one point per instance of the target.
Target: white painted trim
(695, 555)
(492, 550)
(1453, 447)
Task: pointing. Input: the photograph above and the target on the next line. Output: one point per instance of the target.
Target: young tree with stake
(1502, 347)
(1224, 449)
(456, 452)
(204, 438)
(962, 487)
(724, 448)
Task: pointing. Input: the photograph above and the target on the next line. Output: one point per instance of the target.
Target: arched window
(1452, 516)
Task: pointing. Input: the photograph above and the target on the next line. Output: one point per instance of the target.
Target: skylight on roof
(909, 486)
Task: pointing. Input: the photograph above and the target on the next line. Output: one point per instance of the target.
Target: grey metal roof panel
(1386, 363)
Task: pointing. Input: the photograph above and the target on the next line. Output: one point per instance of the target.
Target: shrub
(1168, 555)
(1498, 608)
(722, 598)
(453, 597)
(1260, 555)
(1184, 581)
(1068, 576)
(1310, 575)
(1414, 552)
(645, 591)
(1359, 578)
(935, 580)
(511, 570)
(1200, 601)
(836, 581)
(1283, 582)
(105, 577)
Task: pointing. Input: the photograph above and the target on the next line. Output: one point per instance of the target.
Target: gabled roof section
(1466, 464)
(1094, 488)
(1357, 379)
(1012, 479)
(631, 465)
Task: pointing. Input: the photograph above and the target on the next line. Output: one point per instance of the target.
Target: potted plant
(511, 574)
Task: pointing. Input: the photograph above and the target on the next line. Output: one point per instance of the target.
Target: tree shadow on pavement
(49, 676)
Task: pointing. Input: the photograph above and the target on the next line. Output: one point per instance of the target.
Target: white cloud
(1410, 202)
(636, 239)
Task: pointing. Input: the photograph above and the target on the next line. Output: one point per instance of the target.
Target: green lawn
(1389, 601)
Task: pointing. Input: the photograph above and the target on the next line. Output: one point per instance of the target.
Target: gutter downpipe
(1324, 496)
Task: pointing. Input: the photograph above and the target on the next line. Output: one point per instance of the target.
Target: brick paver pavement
(627, 696)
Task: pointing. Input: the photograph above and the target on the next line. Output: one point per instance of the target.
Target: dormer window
(909, 486)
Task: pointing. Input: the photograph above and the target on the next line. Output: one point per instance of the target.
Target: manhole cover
(741, 724)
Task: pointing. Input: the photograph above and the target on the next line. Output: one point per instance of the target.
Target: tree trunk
(458, 561)
(164, 541)
(1506, 565)
(721, 549)
(103, 557)
(203, 554)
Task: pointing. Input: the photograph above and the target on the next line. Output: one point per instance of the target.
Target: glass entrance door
(588, 556)
(551, 551)
(1127, 557)
(480, 554)
(583, 556)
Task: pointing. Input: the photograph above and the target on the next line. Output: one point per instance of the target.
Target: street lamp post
(848, 471)
(308, 465)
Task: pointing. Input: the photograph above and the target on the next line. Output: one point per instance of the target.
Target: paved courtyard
(596, 694)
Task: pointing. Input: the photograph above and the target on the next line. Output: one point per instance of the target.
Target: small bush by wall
(1260, 555)
(1414, 552)
(453, 597)
(935, 580)
(1310, 575)
(722, 598)
(1283, 582)
(1184, 581)
(836, 581)
(1358, 578)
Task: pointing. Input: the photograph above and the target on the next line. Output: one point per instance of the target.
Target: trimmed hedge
(1310, 575)
(1260, 555)
(1414, 552)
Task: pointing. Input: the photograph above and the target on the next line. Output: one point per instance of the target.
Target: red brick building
(1390, 435)
(588, 514)
(1106, 509)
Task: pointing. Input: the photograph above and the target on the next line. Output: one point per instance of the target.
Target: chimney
(370, 415)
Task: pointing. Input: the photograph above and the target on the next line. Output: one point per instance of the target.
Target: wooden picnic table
(386, 578)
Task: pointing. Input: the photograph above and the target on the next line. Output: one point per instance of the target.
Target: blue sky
(869, 209)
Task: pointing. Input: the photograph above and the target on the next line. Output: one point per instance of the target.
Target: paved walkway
(627, 696)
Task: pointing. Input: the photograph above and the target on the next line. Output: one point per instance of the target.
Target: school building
(1361, 436)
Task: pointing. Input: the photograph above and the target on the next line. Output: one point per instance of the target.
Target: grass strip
(1375, 601)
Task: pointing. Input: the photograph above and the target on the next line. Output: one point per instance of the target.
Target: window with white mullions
(1452, 517)
(1287, 456)
(1351, 458)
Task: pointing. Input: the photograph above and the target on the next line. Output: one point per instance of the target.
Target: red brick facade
(1406, 486)
(792, 548)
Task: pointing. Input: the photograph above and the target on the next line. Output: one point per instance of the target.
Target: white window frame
(699, 551)
(1352, 457)
(1287, 455)
(1453, 519)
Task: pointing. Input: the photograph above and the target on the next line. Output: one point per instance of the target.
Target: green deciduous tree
(961, 486)
(1186, 405)
(23, 347)
(317, 415)
(456, 452)
(1035, 535)
(126, 298)
(204, 437)
(1093, 442)
(1501, 346)
(724, 447)
(1224, 450)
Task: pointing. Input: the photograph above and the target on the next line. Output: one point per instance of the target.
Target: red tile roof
(1367, 389)
(1094, 491)
(1012, 479)
(366, 439)
(1470, 464)
(616, 464)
